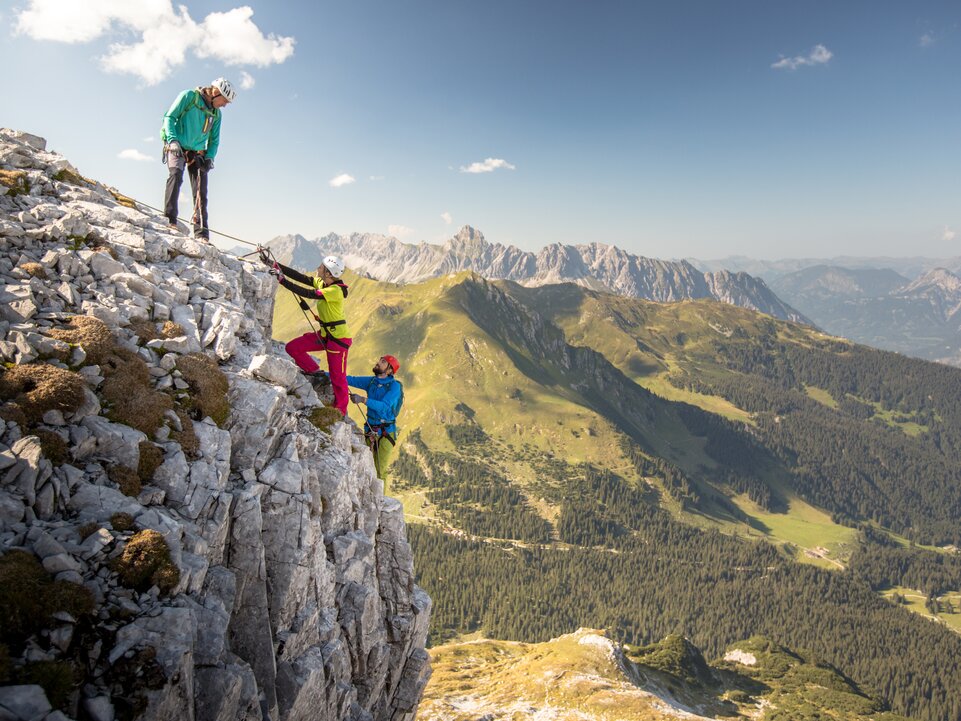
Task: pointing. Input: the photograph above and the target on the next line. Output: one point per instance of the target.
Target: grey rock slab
(24, 703)
(104, 267)
(114, 442)
(274, 370)
(99, 708)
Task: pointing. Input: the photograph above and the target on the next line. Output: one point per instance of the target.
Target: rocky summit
(594, 265)
(184, 532)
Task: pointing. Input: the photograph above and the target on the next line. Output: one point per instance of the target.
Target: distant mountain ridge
(879, 307)
(770, 270)
(594, 265)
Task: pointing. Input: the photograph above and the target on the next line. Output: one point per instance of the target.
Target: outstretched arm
(297, 276)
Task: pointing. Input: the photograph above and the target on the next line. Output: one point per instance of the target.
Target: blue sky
(671, 129)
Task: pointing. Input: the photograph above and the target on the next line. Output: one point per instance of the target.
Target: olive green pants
(383, 452)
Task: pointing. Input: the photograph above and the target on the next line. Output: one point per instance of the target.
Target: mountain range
(594, 265)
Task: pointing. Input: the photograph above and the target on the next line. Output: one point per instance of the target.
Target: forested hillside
(580, 459)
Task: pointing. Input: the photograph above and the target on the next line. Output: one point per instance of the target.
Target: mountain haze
(878, 307)
(594, 265)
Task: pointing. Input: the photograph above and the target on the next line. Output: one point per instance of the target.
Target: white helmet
(225, 88)
(335, 265)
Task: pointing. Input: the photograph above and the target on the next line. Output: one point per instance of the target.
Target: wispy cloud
(487, 166)
(399, 231)
(132, 154)
(376, 178)
(819, 55)
(163, 36)
(246, 80)
(948, 234)
(149, 139)
(341, 180)
(926, 40)
(445, 216)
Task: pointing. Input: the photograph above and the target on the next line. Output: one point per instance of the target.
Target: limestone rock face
(294, 594)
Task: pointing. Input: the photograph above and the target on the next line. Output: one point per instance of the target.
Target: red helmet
(392, 362)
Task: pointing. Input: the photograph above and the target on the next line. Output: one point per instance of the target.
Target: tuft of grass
(69, 176)
(187, 438)
(126, 478)
(151, 457)
(172, 330)
(37, 388)
(87, 530)
(145, 562)
(208, 388)
(91, 334)
(15, 181)
(324, 417)
(57, 679)
(144, 329)
(34, 270)
(130, 395)
(122, 199)
(29, 597)
(121, 521)
(53, 445)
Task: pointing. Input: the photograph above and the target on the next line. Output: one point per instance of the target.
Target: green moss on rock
(324, 417)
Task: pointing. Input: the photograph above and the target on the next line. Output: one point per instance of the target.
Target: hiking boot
(320, 380)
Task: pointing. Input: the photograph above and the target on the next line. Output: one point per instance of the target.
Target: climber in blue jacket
(385, 396)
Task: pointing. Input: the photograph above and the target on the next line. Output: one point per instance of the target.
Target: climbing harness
(373, 432)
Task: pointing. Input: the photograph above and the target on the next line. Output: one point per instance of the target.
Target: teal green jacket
(193, 124)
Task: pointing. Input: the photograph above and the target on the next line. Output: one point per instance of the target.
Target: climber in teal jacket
(385, 397)
(191, 137)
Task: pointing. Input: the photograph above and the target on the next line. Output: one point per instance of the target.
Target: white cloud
(399, 231)
(164, 37)
(246, 80)
(948, 234)
(149, 139)
(445, 216)
(487, 166)
(819, 55)
(233, 38)
(926, 40)
(342, 180)
(132, 154)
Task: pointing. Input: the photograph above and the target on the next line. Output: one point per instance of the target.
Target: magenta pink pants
(300, 349)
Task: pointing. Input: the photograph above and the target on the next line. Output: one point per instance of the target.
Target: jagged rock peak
(280, 584)
(467, 240)
(594, 265)
(940, 279)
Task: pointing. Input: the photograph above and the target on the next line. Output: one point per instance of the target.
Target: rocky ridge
(594, 265)
(285, 586)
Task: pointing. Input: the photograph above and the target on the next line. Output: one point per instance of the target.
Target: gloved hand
(357, 398)
(174, 147)
(207, 163)
(277, 273)
(264, 258)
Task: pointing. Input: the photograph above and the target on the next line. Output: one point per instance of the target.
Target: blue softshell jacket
(383, 398)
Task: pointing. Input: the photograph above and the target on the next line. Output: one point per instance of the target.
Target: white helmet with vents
(225, 88)
(335, 265)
